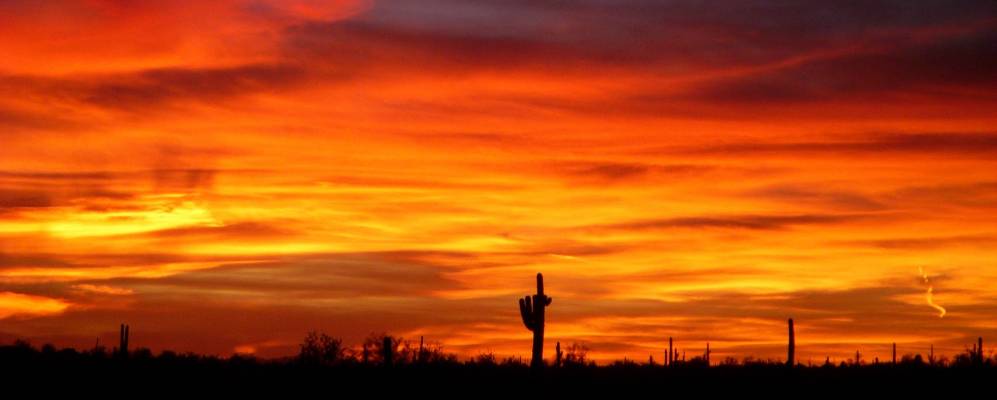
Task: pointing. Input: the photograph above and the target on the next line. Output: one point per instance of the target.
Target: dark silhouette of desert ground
(388, 365)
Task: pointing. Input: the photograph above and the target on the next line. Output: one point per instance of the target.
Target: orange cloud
(24, 305)
(103, 289)
(130, 36)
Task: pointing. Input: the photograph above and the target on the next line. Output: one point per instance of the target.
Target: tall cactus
(671, 352)
(422, 353)
(894, 353)
(791, 353)
(531, 308)
(123, 341)
(707, 354)
(979, 350)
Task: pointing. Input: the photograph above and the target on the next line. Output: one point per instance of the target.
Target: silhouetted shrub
(697, 362)
(321, 349)
(141, 353)
(576, 355)
(485, 359)
(513, 362)
(375, 344)
(914, 360)
(729, 362)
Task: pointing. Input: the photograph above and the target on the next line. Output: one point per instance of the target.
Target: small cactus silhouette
(894, 353)
(707, 354)
(531, 308)
(791, 353)
(671, 352)
(123, 341)
(979, 350)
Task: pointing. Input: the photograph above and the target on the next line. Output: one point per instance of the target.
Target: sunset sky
(225, 176)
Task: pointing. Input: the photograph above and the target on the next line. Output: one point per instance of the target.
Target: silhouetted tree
(321, 349)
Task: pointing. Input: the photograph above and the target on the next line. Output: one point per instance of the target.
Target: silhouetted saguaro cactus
(791, 352)
(421, 356)
(123, 341)
(707, 354)
(979, 350)
(894, 353)
(531, 308)
(671, 352)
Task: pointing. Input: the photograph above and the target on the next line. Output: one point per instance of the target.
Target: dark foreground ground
(32, 373)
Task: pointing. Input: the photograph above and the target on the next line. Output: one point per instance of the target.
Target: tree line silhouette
(382, 354)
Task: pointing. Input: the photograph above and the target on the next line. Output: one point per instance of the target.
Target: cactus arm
(526, 311)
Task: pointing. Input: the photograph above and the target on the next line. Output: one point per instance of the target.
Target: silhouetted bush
(485, 359)
(576, 355)
(321, 349)
(330, 365)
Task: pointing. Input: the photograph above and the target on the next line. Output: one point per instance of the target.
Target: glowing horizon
(227, 176)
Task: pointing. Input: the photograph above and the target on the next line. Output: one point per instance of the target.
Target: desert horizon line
(533, 317)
